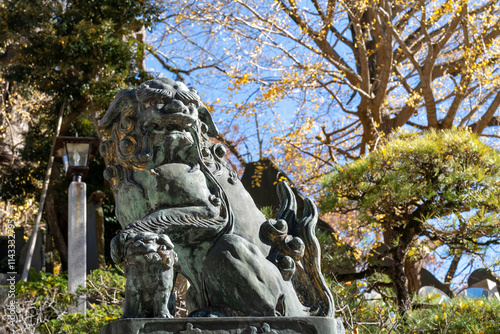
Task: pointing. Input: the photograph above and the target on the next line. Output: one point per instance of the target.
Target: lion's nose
(174, 107)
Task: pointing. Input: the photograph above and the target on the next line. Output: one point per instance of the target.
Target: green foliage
(45, 286)
(336, 257)
(105, 292)
(80, 52)
(362, 316)
(461, 316)
(402, 187)
(414, 177)
(268, 212)
(74, 48)
(445, 171)
(77, 323)
(105, 287)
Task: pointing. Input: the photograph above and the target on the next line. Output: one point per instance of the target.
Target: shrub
(462, 315)
(43, 304)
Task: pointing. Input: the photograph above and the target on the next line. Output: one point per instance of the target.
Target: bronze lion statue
(174, 187)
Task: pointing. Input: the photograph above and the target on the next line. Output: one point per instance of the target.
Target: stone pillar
(77, 241)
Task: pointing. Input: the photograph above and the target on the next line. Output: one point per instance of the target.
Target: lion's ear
(124, 100)
(206, 118)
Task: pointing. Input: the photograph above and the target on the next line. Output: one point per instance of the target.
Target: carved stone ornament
(183, 210)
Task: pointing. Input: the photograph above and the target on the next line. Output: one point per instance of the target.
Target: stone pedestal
(236, 325)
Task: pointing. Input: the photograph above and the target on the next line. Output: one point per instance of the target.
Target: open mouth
(173, 123)
(174, 129)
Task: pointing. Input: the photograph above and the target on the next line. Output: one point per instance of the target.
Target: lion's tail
(308, 280)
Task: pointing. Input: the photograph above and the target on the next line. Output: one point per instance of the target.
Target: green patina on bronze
(183, 210)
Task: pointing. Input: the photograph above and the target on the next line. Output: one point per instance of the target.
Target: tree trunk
(412, 270)
(403, 238)
(59, 233)
(49, 251)
(96, 198)
(397, 273)
(400, 283)
(453, 267)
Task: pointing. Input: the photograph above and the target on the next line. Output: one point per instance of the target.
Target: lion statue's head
(160, 112)
(159, 152)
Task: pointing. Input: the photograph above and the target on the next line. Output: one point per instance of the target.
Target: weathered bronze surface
(183, 210)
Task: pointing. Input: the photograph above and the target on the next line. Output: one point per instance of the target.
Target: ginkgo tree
(406, 182)
(356, 69)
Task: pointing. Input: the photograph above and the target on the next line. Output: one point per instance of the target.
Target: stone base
(236, 325)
